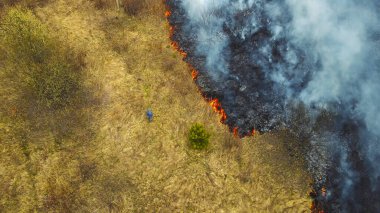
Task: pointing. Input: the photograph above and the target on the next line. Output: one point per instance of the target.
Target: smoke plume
(269, 60)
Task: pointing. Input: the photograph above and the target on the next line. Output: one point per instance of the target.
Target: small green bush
(198, 137)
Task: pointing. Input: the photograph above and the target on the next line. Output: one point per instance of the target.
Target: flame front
(217, 107)
(215, 104)
(171, 33)
(176, 46)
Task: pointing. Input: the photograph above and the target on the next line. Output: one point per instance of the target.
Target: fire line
(214, 102)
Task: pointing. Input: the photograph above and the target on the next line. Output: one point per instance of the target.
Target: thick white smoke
(338, 32)
(341, 34)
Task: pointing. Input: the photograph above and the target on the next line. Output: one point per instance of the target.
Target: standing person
(149, 115)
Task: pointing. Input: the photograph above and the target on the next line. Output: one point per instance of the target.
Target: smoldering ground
(267, 61)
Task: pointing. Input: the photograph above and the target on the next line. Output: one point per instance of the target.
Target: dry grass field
(109, 158)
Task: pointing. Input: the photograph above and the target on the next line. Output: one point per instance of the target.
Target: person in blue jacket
(149, 115)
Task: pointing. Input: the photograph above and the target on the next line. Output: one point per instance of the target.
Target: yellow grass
(138, 166)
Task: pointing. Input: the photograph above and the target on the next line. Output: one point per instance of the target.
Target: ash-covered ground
(309, 66)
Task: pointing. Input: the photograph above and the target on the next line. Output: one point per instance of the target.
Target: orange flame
(312, 207)
(194, 74)
(176, 46)
(171, 31)
(253, 132)
(217, 107)
(236, 132)
(168, 13)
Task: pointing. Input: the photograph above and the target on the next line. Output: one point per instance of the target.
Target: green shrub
(39, 68)
(198, 137)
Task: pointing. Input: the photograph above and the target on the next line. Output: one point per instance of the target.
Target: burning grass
(217, 107)
(214, 102)
(194, 74)
(124, 163)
